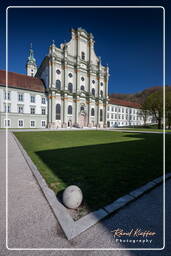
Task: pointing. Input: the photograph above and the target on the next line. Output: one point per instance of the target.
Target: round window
(93, 81)
(82, 78)
(70, 75)
(58, 71)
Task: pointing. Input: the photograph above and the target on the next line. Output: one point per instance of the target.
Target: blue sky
(128, 40)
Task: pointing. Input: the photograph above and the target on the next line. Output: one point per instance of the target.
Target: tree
(154, 103)
(144, 112)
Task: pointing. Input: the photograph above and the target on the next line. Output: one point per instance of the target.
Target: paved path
(31, 223)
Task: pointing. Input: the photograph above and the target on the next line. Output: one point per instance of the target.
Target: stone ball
(72, 197)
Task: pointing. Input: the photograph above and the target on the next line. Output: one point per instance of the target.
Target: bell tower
(31, 67)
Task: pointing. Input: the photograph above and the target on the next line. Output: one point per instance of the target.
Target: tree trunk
(159, 123)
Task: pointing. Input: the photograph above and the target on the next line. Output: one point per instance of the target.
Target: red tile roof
(124, 103)
(22, 81)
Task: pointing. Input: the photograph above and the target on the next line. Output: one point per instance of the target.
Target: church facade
(76, 83)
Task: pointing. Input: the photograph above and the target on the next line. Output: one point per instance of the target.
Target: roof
(21, 81)
(124, 103)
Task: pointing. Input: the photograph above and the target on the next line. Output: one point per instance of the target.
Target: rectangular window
(7, 96)
(112, 109)
(20, 123)
(122, 116)
(115, 109)
(7, 108)
(20, 109)
(20, 97)
(43, 100)
(7, 123)
(32, 123)
(107, 115)
(32, 99)
(32, 111)
(43, 111)
(122, 110)
(115, 116)
(111, 116)
(43, 123)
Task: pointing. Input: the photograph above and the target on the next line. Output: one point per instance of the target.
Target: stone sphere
(72, 197)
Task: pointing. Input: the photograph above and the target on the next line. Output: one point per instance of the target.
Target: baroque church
(76, 82)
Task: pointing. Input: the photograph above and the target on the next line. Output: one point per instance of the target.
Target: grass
(146, 129)
(104, 164)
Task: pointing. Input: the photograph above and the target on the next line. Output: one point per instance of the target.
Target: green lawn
(104, 164)
(146, 129)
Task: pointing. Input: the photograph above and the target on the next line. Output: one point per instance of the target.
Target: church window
(101, 115)
(58, 71)
(69, 110)
(70, 74)
(83, 55)
(58, 84)
(101, 84)
(70, 87)
(92, 112)
(93, 81)
(82, 78)
(93, 92)
(58, 111)
(82, 108)
(101, 93)
(82, 87)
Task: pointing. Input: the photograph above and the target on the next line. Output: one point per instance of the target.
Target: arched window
(69, 110)
(82, 88)
(83, 55)
(70, 87)
(92, 112)
(101, 94)
(82, 108)
(101, 115)
(58, 84)
(93, 92)
(58, 111)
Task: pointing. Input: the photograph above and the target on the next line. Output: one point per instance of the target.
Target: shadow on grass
(105, 172)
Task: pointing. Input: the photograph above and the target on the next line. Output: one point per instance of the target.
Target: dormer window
(83, 55)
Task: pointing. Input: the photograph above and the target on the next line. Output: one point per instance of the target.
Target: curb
(73, 228)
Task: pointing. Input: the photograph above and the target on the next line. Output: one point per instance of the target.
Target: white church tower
(31, 67)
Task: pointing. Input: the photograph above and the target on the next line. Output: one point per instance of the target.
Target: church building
(76, 82)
